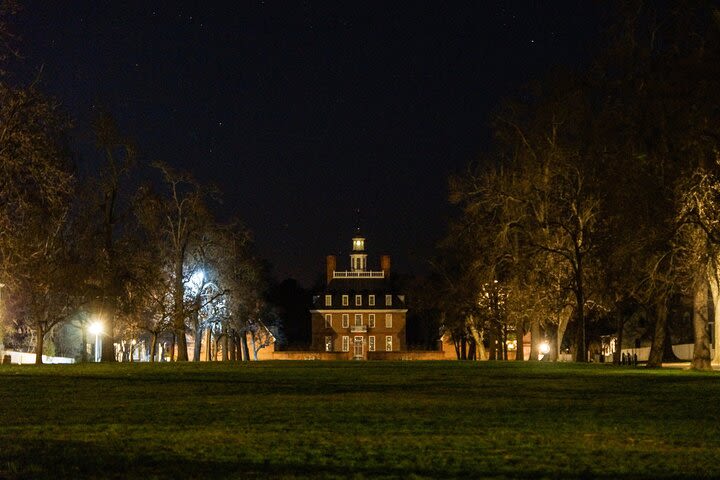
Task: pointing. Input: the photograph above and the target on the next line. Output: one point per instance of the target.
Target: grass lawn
(357, 420)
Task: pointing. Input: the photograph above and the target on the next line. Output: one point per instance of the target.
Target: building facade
(358, 314)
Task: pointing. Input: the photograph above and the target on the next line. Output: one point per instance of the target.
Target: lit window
(371, 300)
(358, 319)
(358, 300)
(328, 344)
(371, 343)
(328, 320)
(346, 343)
(328, 300)
(388, 343)
(388, 320)
(388, 300)
(345, 300)
(371, 320)
(346, 320)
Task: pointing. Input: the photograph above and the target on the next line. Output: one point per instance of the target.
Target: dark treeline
(598, 204)
(133, 246)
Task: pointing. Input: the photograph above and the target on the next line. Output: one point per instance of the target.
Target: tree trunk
(233, 348)
(581, 351)
(534, 339)
(564, 318)
(153, 346)
(198, 344)
(478, 337)
(244, 344)
(714, 280)
(181, 345)
(172, 346)
(107, 338)
(463, 348)
(657, 348)
(39, 345)
(179, 307)
(83, 353)
(620, 326)
(701, 352)
(519, 345)
(226, 347)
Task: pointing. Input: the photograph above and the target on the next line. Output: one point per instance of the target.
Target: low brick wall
(410, 355)
(300, 355)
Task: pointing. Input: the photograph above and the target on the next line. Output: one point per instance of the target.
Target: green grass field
(357, 420)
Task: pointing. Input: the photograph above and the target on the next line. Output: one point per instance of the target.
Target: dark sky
(303, 112)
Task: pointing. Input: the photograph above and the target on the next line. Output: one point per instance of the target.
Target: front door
(358, 347)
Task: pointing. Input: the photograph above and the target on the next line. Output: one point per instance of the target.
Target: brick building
(358, 313)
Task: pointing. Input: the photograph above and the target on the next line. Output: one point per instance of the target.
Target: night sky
(303, 112)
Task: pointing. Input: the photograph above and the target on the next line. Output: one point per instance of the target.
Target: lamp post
(96, 329)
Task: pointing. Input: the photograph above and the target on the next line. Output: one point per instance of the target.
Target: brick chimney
(331, 265)
(385, 265)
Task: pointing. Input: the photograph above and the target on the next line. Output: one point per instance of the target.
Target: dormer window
(388, 300)
(345, 300)
(358, 300)
(328, 300)
(371, 300)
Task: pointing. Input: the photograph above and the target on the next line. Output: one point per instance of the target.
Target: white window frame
(371, 300)
(346, 343)
(371, 320)
(388, 320)
(371, 343)
(388, 343)
(358, 300)
(346, 320)
(388, 300)
(328, 320)
(345, 300)
(328, 300)
(358, 320)
(328, 343)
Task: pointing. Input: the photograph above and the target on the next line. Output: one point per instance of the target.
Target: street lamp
(96, 328)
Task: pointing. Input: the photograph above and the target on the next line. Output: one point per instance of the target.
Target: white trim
(371, 343)
(345, 343)
(371, 300)
(345, 320)
(371, 320)
(328, 320)
(388, 343)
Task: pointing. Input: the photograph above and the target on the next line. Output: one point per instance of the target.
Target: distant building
(358, 315)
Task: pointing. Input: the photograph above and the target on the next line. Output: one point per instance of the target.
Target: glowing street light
(544, 348)
(96, 328)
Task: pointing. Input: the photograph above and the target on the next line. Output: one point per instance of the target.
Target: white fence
(21, 358)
